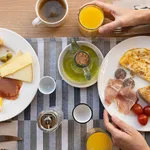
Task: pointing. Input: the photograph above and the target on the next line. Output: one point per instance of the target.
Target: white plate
(62, 72)
(109, 66)
(12, 108)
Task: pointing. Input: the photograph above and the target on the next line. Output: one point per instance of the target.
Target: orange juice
(90, 19)
(98, 140)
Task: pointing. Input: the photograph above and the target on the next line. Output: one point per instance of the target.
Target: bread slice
(137, 60)
(145, 93)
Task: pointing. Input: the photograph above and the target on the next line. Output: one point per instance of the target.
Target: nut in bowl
(80, 75)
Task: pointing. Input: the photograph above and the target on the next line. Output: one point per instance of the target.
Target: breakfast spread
(16, 69)
(121, 89)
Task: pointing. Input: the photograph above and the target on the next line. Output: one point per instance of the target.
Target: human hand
(126, 137)
(121, 17)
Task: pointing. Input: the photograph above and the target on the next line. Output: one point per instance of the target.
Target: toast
(144, 93)
(137, 60)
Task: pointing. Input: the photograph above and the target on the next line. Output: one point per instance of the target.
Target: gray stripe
(33, 44)
(33, 136)
(70, 101)
(58, 138)
(77, 136)
(27, 135)
(46, 59)
(52, 141)
(59, 93)
(70, 135)
(96, 123)
(45, 141)
(21, 116)
(102, 124)
(40, 52)
(64, 138)
(65, 99)
(53, 58)
(34, 109)
(83, 95)
(46, 102)
(106, 47)
(58, 51)
(147, 137)
(21, 134)
(83, 137)
(90, 96)
(95, 102)
(100, 44)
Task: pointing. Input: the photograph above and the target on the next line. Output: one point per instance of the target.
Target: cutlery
(7, 138)
(135, 30)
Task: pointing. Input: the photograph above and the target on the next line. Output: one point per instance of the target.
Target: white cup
(82, 113)
(47, 85)
(38, 20)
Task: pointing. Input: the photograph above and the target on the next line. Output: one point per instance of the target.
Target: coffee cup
(54, 17)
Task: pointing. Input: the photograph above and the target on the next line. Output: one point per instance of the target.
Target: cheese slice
(12, 59)
(25, 74)
(16, 65)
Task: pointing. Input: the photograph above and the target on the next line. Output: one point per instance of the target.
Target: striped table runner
(71, 135)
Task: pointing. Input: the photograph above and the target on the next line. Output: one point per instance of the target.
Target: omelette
(137, 60)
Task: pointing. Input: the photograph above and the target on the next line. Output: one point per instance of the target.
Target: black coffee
(52, 10)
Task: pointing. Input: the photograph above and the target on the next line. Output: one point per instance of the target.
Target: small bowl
(47, 85)
(63, 74)
(82, 113)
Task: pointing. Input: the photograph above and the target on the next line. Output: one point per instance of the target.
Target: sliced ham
(112, 90)
(125, 99)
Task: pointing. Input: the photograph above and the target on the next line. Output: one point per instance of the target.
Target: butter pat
(16, 65)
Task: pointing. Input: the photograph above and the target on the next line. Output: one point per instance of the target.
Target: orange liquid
(99, 141)
(91, 17)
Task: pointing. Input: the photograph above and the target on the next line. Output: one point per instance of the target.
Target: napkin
(9, 128)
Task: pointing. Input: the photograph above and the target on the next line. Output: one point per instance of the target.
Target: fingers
(109, 126)
(122, 125)
(104, 6)
(107, 28)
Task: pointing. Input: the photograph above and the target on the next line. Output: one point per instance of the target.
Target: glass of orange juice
(90, 18)
(98, 139)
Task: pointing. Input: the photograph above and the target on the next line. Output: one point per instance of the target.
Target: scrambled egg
(137, 60)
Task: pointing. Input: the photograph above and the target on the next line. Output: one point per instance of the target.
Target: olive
(3, 59)
(129, 82)
(9, 55)
(120, 73)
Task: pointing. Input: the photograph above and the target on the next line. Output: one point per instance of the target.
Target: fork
(139, 29)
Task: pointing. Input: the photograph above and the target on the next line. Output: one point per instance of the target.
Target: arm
(126, 137)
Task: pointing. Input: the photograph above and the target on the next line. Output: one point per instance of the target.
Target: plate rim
(101, 70)
(38, 65)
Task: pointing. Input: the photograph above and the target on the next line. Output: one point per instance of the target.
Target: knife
(7, 138)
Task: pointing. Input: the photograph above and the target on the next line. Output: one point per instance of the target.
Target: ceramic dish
(110, 65)
(11, 108)
(62, 72)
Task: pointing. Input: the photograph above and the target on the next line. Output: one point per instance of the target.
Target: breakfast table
(70, 135)
(48, 44)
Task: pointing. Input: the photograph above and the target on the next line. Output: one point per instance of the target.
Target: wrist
(143, 17)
